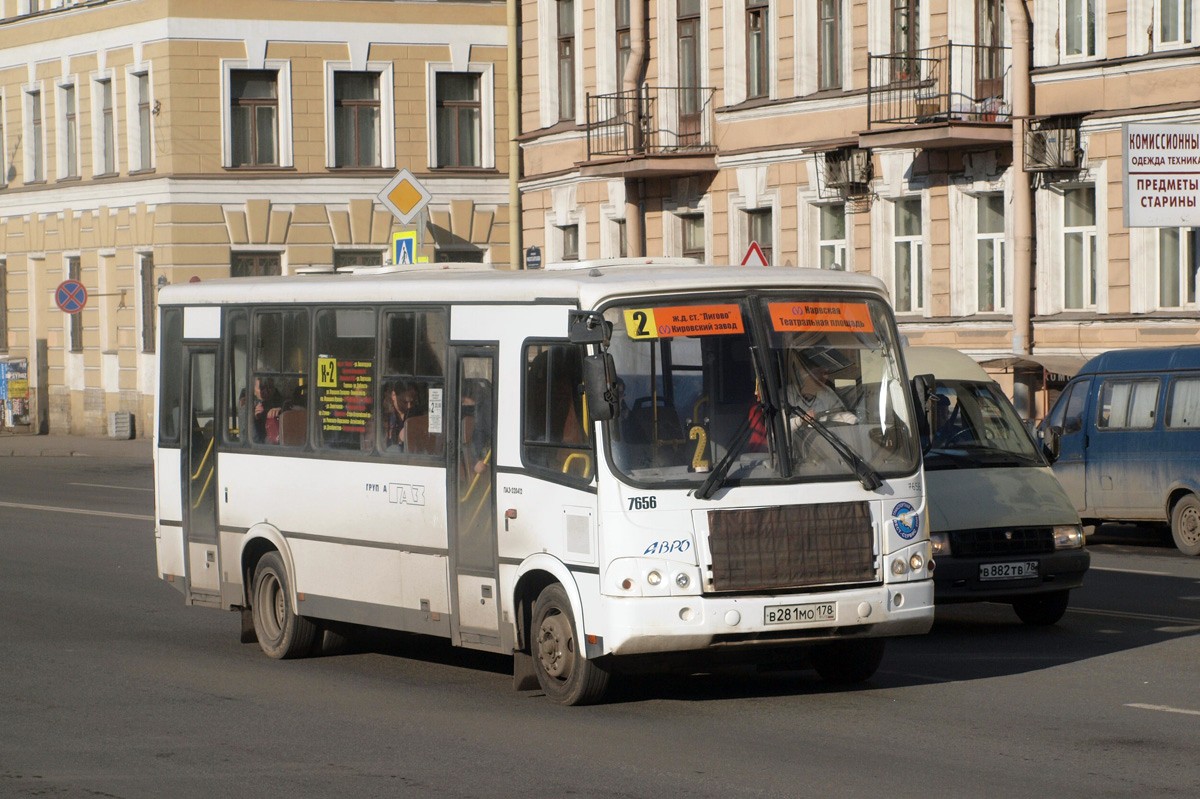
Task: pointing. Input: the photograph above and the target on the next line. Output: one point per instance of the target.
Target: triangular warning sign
(754, 256)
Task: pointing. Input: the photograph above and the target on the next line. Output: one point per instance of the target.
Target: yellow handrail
(575, 456)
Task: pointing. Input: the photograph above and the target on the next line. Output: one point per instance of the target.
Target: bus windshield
(766, 387)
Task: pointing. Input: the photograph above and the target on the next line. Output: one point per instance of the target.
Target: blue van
(1001, 528)
(1124, 439)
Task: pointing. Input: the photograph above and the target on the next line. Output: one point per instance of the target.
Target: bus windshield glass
(977, 427)
(762, 388)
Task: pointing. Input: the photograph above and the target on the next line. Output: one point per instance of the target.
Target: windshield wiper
(862, 470)
(716, 477)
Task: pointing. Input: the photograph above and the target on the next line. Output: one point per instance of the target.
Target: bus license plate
(800, 614)
(1008, 571)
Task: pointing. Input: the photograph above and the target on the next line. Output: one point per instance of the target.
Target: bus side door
(199, 465)
(471, 462)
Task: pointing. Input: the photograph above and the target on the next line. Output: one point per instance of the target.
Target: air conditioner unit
(847, 167)
(1050, 149)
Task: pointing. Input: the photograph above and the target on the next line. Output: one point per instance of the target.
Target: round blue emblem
(906, 520)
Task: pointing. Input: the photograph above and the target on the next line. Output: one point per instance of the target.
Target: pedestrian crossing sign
(404, 248)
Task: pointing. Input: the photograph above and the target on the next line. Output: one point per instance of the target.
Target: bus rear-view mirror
(600, 386)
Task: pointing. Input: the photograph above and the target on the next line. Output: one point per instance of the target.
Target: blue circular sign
(906, 520)
(533, 258)
(70, 296)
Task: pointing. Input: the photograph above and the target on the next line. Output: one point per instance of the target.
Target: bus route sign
(70, 296)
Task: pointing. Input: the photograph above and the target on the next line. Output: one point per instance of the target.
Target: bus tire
(1042, 610)
(281, 633)
(848, 662)
(1185, 525)
(565, 675)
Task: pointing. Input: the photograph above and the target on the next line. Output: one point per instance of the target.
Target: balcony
(654, 131)
(953, 95)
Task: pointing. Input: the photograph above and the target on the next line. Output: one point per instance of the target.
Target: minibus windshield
(767, 387)
(977, 427)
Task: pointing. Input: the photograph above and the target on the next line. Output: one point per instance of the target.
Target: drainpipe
(639, 52)
(515, 223)
(1022, 197)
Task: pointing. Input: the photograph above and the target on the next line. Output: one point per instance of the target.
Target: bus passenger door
(472, 511)
(199, 464)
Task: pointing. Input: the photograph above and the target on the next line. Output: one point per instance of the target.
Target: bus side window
(414, 377)
(556, 431)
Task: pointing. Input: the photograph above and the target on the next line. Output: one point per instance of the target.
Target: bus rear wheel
(848, 662)
(565, 675)
(1185, 525)
(281, 633)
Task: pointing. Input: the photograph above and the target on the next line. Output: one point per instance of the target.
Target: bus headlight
(654, 578)
(899, 567)
(940, 542)
(916, 562)
(1068, 536)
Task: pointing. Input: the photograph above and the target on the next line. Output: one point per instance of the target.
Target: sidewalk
(19, 445)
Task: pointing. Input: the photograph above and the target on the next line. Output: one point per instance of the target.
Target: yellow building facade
(147, 142)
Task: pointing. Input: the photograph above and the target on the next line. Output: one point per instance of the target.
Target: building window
(3, 166)
(356, 118)
(459, 119)
(829, 44)
(908, 276)
(989, 248)
(1078, 28)
(758, 226)
(351, 258)
(687, 30)
(624, 42)
(254, 111)
(757, 49)
(146, 277)
(906, 27)
(1177, 267)
(1079, 248)
(693, 236)
(141, 136)
(570, 242)
(3, 305)
(622, 232)
(106, 158)
(831, 245)
(256, 264)
(68, 166)
(566, 59)
(75, 320)
(1174, 21)
(35, 159)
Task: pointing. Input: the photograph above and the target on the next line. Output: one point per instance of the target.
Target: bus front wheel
(848, 662)
(1185, 525)
(565, 675)
(281, 633)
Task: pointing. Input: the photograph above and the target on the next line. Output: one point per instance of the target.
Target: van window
(1128, 404)
(1067, 414)
(1184, 403)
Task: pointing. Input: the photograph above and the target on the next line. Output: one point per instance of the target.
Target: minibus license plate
(800, 614)
(1008, 571)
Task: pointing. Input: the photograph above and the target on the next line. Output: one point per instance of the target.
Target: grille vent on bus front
(795, 546)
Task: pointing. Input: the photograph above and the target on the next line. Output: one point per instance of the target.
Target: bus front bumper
(646, 625)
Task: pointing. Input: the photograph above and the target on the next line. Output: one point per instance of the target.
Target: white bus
(589, 467)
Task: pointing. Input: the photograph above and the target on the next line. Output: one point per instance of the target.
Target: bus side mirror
(588, 327)
(600, 386)
(1051, 438)
(923, 398)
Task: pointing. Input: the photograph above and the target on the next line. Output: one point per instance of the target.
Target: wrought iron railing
(948, 83)
(652, 120)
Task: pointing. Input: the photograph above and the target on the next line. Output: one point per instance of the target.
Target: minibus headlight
(899, 567)
(653, 578)
(916, 562)
(1068, 536)
(940, 543)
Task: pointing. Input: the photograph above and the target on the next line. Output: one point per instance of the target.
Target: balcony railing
(652, 120)
(948, 83)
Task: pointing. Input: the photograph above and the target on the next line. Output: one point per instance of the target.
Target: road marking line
(1120, 614)
(77, 510)
(102, 485)
(1164, 709)
(1130, 571)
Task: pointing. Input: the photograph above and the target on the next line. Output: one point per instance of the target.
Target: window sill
(263, 168)
(70, 179)
(133, 173)
(485, 170)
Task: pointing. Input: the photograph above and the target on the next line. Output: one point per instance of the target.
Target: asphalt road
(111, 687)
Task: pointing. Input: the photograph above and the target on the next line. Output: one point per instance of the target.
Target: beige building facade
(967, 152)
(147, 142)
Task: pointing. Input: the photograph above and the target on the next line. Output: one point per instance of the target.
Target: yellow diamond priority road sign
(404, 196)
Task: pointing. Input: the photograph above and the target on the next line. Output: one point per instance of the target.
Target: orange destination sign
(821, 317)
(684, 320)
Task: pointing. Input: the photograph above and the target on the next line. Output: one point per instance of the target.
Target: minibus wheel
(1042, 610)
(848, 662)
(565, 675)
(281, 633)
(1185, 525)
